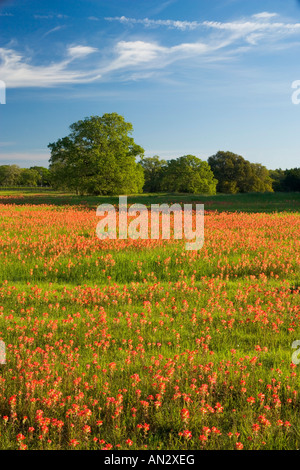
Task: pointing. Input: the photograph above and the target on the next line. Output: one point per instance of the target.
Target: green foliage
(260, 180)
(277, 177)
(28, 177)
(98, 157)
(241, 202)
(230, 170)
(13, 175)
(10, 175)
(44, 177)
(153, 172)
(286, 180)
(292, 179)
(237, 175)
(189, 174)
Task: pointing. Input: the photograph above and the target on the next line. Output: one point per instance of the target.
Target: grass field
(254, 202)
(140, 344)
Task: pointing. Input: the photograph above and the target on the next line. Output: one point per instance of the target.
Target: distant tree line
(13, 175)
(285, 180)
(99, 157)
(224, 172)
(186, 174)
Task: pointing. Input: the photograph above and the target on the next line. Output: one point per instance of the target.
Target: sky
(192, 76)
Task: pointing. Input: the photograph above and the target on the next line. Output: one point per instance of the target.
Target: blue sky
(192, 76)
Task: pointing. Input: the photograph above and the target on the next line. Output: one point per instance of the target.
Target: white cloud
(131, 53)
(173, 24)
(17, 71)
(251, 26)
(242, 27)
(254, 38)
(138, 58)
(264, 15)
(53, 30)
(43, 17)
(49, 17)
(255, 33)
(81, 51)
(220, 41)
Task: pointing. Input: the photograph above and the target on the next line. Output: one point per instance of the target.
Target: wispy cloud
(139, 58)
(17, 71)
(246, 27)
(162, 6)
(132, 54)
(148, 23)
(264, 15)
(232, 38)
(53, 30)
(81, 51)
(50, 16)
(20, 157)
(260, 22)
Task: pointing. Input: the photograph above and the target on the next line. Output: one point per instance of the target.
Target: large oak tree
(98, 157)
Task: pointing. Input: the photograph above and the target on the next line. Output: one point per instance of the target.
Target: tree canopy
(154, 169)
(28, 177)
(98, 157)
(292, 179)
(188, 174)
(237, 175)
(13, 175)
(43, 175)
(10, 175)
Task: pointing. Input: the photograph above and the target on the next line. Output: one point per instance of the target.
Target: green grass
(251, 202)
(135, 334)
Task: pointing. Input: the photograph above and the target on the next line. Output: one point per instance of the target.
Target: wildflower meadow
(143, 345)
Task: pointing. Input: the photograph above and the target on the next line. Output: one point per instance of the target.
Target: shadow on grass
(251, 202)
